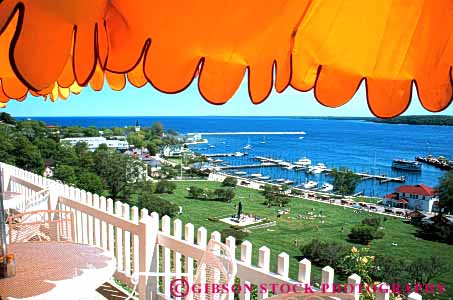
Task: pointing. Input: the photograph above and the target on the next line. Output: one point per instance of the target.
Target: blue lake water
(358, 145)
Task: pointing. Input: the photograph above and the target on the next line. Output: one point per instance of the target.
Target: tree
(6, 118)
(425, 269)
(445, 189)
(165, 187)
(84, 155)
(118, 171)
(157, 204)
(344, 180)
(108, 133)
(91, 182)
(91, 131)
(225, 195)
(6, 148)
(153, 149)
(66, 174)
(157, 129)
(27, 155)
(65, 154)
(118, 131)
(364, 234)
(136, 139)
(230, 181)
(195, 192)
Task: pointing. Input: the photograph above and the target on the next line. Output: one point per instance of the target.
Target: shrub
(325, 253)
(237, 234)
(364, 234)
(373, 222)
(225, 195)
(165, 187)
(230, 181)
(195, 192)
(157, 204)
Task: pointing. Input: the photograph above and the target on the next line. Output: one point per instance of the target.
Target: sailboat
(248, 146)
(263, 141)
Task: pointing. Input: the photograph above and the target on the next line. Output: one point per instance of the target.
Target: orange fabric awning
(49, 46)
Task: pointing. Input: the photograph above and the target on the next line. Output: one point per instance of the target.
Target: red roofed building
(420, 197)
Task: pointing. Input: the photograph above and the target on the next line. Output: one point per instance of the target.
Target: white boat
(301, 138)
(218, 161)
(264, 177)
(303, 162)
(263, 141)
(248, 146)
(280, 180)
(311, 169)
(256, 175)
(211, 146)
(319, 168)
(310, 184)
(289, 182)
(240, 173)
(238, 154)
(326, 187)
(289, 167)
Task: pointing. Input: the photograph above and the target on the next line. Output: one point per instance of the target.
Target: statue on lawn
(239, 210)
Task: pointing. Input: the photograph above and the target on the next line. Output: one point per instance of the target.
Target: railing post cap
(414, 296)
(264, 248)
(327, 269)
(305, 261)
(354, 277)
(246, 244)
(283, 254)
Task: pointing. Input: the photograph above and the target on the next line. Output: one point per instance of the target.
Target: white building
(94, 142)
(418, 197)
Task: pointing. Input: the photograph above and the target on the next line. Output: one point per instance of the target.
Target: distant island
(410, 120)
(417, 120)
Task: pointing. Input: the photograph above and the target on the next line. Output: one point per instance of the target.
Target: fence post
(54, 193)
(354, 281)
(263, 263)
(246, 258)
(147, 242)
(382, 292)
(305, 271)
(6, 176)
(327, 279)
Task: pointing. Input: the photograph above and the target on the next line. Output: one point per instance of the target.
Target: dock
(225, 154)
(262, 165)
(381, 178)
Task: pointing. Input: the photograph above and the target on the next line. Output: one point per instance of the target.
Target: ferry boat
(407, 165)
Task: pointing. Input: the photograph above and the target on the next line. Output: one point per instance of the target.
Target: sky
(149, 102)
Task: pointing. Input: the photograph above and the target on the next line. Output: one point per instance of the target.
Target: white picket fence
(146, 242)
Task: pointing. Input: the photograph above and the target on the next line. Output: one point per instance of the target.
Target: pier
(236, 154)
(436, 162)
(381, 178)
(248, 166)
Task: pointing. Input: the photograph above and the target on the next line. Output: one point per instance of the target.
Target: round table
(11, 200)
(57, 270)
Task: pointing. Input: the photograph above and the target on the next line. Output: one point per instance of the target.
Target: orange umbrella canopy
(53, 47)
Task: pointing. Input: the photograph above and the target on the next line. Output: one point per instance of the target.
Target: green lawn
(281, 238)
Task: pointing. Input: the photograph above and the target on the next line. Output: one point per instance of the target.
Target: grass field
(281, 238)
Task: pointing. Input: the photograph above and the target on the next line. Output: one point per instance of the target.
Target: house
(94, 142)
(417, 197)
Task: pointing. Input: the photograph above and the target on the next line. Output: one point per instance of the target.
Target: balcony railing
(142, 241)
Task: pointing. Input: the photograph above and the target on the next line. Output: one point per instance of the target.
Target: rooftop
(419, 189)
